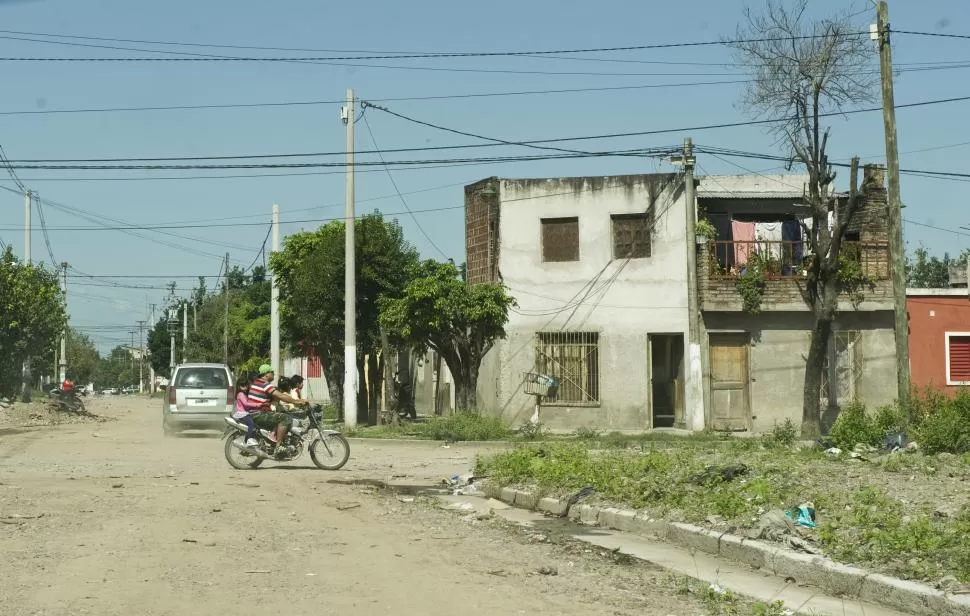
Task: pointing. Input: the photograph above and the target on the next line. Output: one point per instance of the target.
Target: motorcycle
(65, 401)
(328, 449)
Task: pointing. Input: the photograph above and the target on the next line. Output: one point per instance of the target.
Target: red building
(939, 338)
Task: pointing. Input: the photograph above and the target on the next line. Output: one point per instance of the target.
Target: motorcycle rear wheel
(235, 456)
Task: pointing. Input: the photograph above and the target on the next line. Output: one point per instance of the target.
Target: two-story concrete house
(598, 266)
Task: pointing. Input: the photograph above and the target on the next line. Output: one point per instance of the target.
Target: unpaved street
(111, 518)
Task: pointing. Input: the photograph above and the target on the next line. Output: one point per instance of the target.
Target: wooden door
(729, 382)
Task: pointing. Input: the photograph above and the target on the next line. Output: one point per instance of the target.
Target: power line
(313, 165)
(390, 176)
(131, 227)
(262, 251)
(937, 34)
(655, 151)
(97, 219)
(379, 56)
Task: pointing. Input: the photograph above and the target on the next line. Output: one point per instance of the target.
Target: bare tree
(804, 69)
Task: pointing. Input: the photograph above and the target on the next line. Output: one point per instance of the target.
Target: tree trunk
(466, 389)
(387, 371)
(361, 391)
(334, 374)
(373, 388)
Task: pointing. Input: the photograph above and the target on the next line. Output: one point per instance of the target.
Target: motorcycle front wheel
(330, 451)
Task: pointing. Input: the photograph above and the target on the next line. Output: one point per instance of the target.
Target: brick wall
(481, 231)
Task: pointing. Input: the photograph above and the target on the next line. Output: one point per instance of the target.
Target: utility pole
(694, 411)
(172, 328)
(896, 250)
(63, 365)
(27, 378)
(151, 368)
(350, 279)
(141, 357)
(225, 333)
(274, 325)
(195, 318)
(185, 331)
(28, 207)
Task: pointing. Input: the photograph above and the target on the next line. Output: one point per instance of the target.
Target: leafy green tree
(930, 272)
(83, 360)
(440, 311)
(32, 317)
(248, 296)
(310, 274)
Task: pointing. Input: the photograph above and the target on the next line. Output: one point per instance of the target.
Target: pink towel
(743, 235)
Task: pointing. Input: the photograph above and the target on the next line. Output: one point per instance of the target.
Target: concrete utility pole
(28, 206)
(350, 276)
(225, 333)
(274, 331)
(897, 253)
(141, 356)
(27, 378)
(63, 365)
(151, 368)
(185, 331)
(694, 402)
(172, 328)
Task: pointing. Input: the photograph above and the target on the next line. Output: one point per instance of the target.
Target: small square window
(631, 236)
(560, 239)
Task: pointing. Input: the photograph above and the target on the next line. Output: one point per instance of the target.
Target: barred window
(848, 366)
(572, 358)
(560, 239)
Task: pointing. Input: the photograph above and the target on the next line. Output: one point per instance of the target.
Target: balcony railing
(781, 259)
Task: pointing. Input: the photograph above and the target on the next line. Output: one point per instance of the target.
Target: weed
(532, 431)
(587, 434)
(784, 435)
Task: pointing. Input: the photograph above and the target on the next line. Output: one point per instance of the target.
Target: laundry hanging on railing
(768, 235)
(743, 234)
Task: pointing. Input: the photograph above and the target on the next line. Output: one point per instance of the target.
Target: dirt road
(111, 518)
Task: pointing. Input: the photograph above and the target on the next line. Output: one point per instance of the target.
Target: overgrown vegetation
(860, 521)
(937, 423)
(453, 428)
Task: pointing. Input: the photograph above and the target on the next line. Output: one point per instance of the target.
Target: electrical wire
(262, 251)
(100, 220)
(43, 227)
(648, 152)
(393, 55)
(404, 202)
(935, 34)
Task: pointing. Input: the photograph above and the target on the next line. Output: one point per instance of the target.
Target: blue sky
(384, 26)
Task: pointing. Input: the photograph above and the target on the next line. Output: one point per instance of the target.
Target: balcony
(722, 264)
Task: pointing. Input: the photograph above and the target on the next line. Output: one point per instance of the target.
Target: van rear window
(202, 378)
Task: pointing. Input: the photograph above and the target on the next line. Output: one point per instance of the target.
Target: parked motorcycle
(328, 449)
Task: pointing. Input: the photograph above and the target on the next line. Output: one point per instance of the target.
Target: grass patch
(859, 522)
(457, 427)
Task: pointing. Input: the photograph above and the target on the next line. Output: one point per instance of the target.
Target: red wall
(930, 317)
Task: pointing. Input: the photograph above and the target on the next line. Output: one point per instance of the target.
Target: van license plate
(200, 402)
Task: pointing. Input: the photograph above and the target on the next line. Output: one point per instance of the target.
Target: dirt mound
(42, 413)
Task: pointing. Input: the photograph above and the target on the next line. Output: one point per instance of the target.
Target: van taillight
(171, 394)
(232, 396)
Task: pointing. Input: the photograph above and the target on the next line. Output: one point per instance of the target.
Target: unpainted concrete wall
(629, 298)
(776, 359)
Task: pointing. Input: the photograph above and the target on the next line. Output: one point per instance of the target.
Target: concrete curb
(817, 571)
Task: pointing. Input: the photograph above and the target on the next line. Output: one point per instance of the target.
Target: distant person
(67, 386)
